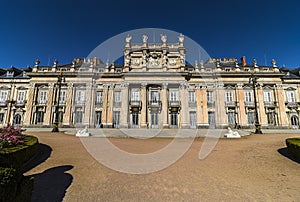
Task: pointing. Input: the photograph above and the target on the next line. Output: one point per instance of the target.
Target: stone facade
(154, 88)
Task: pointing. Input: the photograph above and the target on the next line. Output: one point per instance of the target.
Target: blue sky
(67, 29)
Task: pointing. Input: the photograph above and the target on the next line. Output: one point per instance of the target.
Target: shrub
(10, 136)
(293, 146)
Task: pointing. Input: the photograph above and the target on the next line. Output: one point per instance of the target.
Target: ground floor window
(1, 117)
(135, 120)
(231, 118)
(78, 115)
(211, 119)
(154, 120)
(271, 118)
(251, 117)
(116, 119)
(39, 117)
(174, 120)
(295, 121)
(98, 119)
(17, 119)
(193, 119)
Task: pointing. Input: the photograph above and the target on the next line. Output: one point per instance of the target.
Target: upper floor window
(210, 96)
(3, 95)
(79, 97)
(21, 96)
(135, 95)
(117, 96)
(267, 96)
(62, 97)
(228, 96)
(154, 96)
(290, 96)
(248, 96)
(174, 95)
(192, 97)
(99, 97)
(43, 97)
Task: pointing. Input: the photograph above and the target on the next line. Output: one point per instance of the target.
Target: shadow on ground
(42, 155)
(284, 152)
(51, 185)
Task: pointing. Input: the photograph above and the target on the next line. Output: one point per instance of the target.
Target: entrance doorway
(98, 117)
(135, 120)
(211, 119)
(154, 120)
(174, 120)
(295, 121)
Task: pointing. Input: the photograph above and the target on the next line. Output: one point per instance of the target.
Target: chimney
(243, 60)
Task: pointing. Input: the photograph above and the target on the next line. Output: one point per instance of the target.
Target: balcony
(154, 103)
(292, 104)
(210, 103)
(193, 104)
(135, 105)
(3, 103)
(270, 103)
(249, 104)
(20, 103)
(117, 104)
(41, 102)
(174, 104)
(79, 102)
(99, 103)
(230, 104)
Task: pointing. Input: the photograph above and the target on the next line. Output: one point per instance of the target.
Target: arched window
(17, 119)
(294, 121)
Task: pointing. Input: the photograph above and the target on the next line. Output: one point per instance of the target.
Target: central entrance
(174, 120)
(135, 120)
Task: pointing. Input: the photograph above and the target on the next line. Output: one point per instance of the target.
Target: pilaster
(124, 107)
(49, 105)
(164, 111)
(184, 105)
(144, 105)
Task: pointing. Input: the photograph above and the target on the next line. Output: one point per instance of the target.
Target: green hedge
(293, 146)
(13, 185)
(16, 156)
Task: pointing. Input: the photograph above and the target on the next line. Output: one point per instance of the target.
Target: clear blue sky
(67, 29)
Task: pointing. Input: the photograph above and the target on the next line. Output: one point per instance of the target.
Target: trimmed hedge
(16, 156)
(293, 146)
(13, 185)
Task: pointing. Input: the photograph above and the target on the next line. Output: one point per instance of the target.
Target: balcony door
(174, 120)
(154, 120)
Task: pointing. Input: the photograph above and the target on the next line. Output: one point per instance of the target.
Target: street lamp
(253, 81)
(60, 79)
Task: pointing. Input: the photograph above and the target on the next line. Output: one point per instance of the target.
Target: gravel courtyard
(254, 168)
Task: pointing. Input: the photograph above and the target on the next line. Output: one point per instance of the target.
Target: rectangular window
(192, 97)
(135, 95)
(248, 96)
(193, 119)
(209, 95)
(231, 117)
(21, 96)
(99, 97)
(1, 117)
(116, 119)
(154, 96)
(62, 98)
(173, 95)
(290, 96)
(3, 95)
(251, 117)
(228, 96)
(79, 98)
(117, 96)
(43, 97)
(78, 115)
(271, 117)
(267, 96)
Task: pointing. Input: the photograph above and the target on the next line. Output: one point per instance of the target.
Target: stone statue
(145, 38)
(181, 38)
(83, 133)
(232, 134)
(163, 38)
(128, 38)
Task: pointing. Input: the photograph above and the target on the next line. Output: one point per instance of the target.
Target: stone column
(87, 104)
(49, 105)
(184, 105)
(164, 110)
(144, 105)
(199, 101)
(282, 116)
(30, 97)
(110, 103)
(105, 105)
(124, 107)
(221, 118)
(67, 120)
(9, 105)
(241, 103)
(204, 109)
(261, 107)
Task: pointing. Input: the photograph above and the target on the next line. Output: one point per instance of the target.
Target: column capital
(183, 84)
(164, 85)
(70, 85)
(143, 84)
(124, 85)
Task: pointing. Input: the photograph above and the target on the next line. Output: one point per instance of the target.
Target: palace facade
(153, 88)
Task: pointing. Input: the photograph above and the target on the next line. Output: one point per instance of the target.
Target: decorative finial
(254, 63)
(37, 62)
(274, 63)
(55, 63)
(181, 38)
(163, 38)
(128, 38)
(145, 38)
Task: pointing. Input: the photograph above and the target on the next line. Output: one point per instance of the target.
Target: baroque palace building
(154, 88)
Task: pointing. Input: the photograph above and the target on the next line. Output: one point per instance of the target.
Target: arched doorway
(295, 121)
(17, 119)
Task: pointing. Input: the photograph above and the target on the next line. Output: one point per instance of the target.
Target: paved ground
(254, 168)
